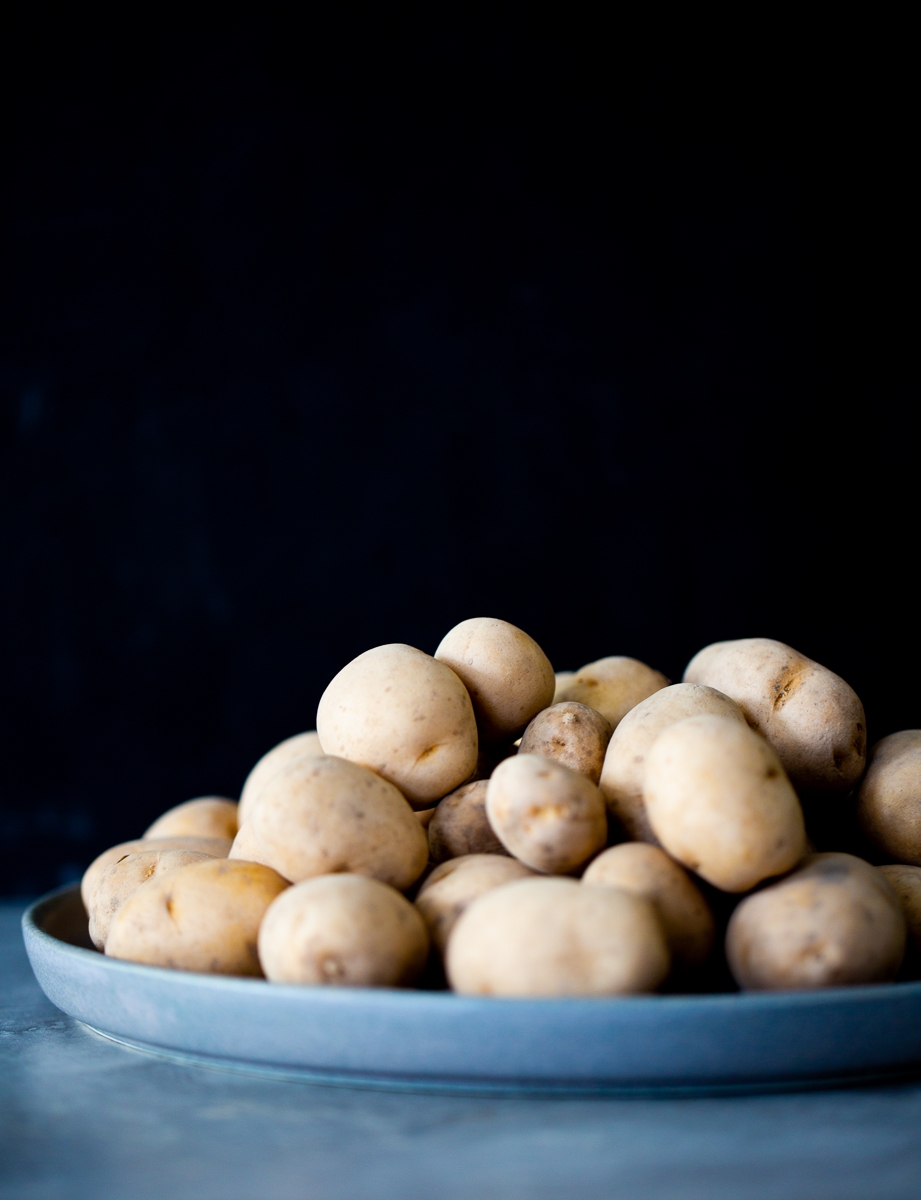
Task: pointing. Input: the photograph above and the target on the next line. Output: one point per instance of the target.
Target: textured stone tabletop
(83, 1117)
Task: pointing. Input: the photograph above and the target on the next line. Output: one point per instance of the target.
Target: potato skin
(905, 881)
(625, 761)
(614, 685)
(554, 937)
(460, 826)
(122, 879)
(835, 921)
(216, 847)
(343, 930)
(508, 676)
(648, 871)
(570, 733)
(889, 799)
(203, 917)
(206, 816)
(549, 817)
(562, 682)
(811, 717)
(453, 887)
(271, 763)
(719, 802)
(405, 715)
(323, 815)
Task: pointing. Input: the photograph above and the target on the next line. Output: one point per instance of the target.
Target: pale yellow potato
(452, 888)
(905, 881)
(612, 686)
(217, 847)
(719, 801)
(122, 879)
(344, 930)
(406, 716)
(562, 680)
(322, 815)
(554, 937)
(889, 799)
(625, 761)
(648, 871)
(271, 763)
(546, 815)
(206, 816)
(508, 676)
(460, 825)
(811, 717)
(572, 734)
(203, 917)
(835, 921)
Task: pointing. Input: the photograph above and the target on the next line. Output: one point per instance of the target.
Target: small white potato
(452, 887)
(206, 816)
(614, 685)
(460, 825)
(573, 734)
(271, 763)
(889, 799)
(216, 847)
(562, 680)
(122, 879)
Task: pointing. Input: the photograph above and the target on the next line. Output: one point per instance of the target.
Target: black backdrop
(317, 338)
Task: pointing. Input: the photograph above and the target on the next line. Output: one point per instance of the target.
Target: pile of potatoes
(472, 820)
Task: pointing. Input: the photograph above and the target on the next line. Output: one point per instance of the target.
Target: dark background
(318, 337)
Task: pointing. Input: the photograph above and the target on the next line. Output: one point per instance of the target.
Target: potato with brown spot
(453, 887)
(648, 871)
(271, 763)
(905, 881)
(811, 717)
(203, 917)
(508, 676)
(720, 803)
(551, 818)
(404, 715)
(460, 825)
(625, 761)
(835, 921)
(206, 816)
(216, 847)
(889, 799)
(614, 685)
(572, 734)
(345, 931)
(123, 878)
(554, 937)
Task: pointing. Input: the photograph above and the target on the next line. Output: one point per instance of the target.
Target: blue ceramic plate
(383, 1037)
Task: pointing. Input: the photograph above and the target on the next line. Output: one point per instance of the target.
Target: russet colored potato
(572, 734)
(123, 878)
(460, 826)
(612, 686)
(452, 887)
(206, 816)
(889, 799)
(216, 847)
(271, 763)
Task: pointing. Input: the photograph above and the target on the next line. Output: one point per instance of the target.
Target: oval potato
(573, 734)
(905, 881)
(452, 887)
(206, 816)
(122, 879)
(271, 763)
(460, 826)
(216, 847)
(614, 685)
(889, 799)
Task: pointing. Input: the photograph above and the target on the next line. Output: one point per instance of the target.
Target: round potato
(905, 881)
(216, 847)
(460, 825)
(271, 763)
(406, 716)
(508, 676)
(322, 815)
(625, 761)
(207, 816)
(122, 879)
(562, 681)
(612, 686)
(203, 917)
(835, 921)
(718, 800)
(346, 930)
(554, 937)
(453, 887)
(570, 733)
(549, 817)
(648, 871)
(810, 716)
(889, 799)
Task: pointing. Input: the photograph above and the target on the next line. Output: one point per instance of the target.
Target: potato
(612, 686)
(322, 815)
(554, 937)
(648, 871)
(625, 761)
(810, 716)
(460, 825)
(834, 921)
(889, 799)
(424, 816)
(122, 879)
(570, 733)
(452, 888)
(404, 715)
(508, 676)
(208, 816)
(718, 800)
(551, 818)
(562, 680)
(203, 917)
(346, 930)
(216, 847)
(905, 881)
(271, 763)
